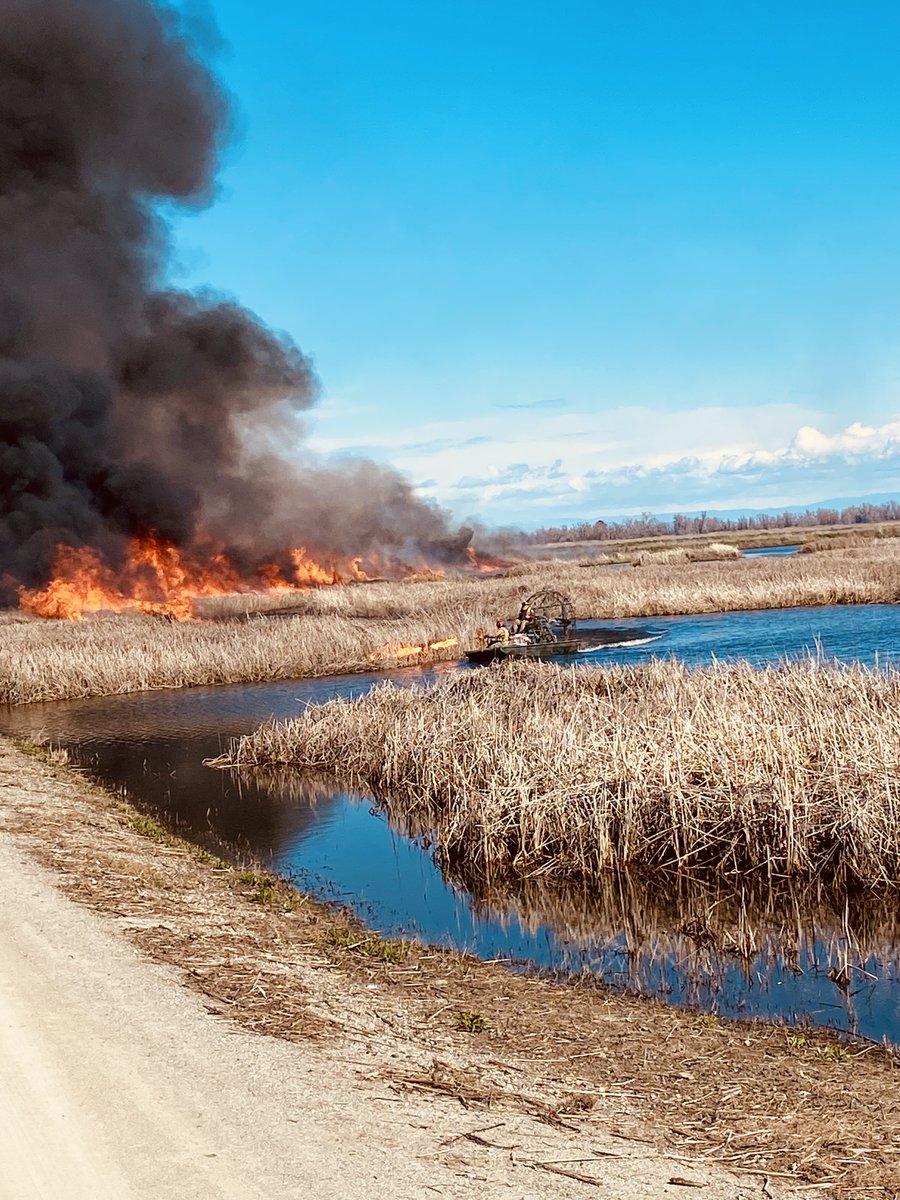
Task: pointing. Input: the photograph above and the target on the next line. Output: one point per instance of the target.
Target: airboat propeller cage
(555, 607)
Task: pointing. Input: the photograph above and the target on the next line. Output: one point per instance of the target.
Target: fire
(393, 650)
(485, 562)
(305, 572)
(158, 578)
(81, 584)
(155, 579)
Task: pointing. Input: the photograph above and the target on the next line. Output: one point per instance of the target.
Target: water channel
(807, 958)
(770, 551)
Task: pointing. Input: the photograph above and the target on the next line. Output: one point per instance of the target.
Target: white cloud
(504, 465)
(854, 441)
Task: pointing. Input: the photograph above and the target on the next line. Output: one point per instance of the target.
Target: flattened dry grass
(528, 769)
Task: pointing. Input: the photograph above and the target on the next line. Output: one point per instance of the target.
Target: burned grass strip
(744, 1096)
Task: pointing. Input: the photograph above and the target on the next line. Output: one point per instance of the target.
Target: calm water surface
(800, 957)
(770, 551)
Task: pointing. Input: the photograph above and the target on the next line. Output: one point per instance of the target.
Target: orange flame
(156, 577)
(485, 562)
(393, 650)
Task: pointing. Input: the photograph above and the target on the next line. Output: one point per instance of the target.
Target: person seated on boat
(524, 619)
(501, 635)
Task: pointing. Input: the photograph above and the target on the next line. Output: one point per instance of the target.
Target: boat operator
(524, 619)
(500, 636)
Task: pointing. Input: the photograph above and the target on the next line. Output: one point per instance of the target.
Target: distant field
(751, 539)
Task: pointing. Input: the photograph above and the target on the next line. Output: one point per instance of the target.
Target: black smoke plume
(126, 406)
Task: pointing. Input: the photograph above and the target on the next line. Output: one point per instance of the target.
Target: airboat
(548, 633)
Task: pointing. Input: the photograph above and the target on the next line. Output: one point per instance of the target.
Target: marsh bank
(725, 952)
(569, 1085)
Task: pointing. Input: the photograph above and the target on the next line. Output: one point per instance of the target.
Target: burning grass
(158, 578)
(343, 628)
(666, 584)
(529, 770)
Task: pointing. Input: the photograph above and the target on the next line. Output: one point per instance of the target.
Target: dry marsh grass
(529, 770)
(835, 541)
(53, 660)
(670, 583)
(342, 628)
(642, 929)
(714, 552)
(742, 539)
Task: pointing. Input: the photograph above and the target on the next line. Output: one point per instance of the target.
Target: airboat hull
(502, 653)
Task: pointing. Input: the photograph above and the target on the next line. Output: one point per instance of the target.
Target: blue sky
(557, 261)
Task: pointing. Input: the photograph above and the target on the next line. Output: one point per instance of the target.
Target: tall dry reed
(529, 770)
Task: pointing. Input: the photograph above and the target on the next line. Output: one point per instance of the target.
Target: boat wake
(641, 641)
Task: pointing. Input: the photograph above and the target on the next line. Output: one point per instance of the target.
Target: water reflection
(832, 960)
(151, 746)
(796, 953)
(792, 952)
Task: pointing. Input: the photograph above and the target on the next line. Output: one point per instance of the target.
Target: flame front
(158, 578)
(395, 651)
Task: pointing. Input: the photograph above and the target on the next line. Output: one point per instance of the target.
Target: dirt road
(115, 1083)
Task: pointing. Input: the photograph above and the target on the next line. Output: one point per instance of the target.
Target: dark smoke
(125, 406)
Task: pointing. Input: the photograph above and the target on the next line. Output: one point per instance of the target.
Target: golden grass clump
(528, 769)
(713, 552)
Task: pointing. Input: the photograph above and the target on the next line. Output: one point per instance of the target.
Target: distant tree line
(646, 525)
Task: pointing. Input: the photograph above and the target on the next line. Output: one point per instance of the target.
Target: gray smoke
(125, 406)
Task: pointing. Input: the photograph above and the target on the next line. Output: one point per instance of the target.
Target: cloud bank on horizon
(531, 464)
